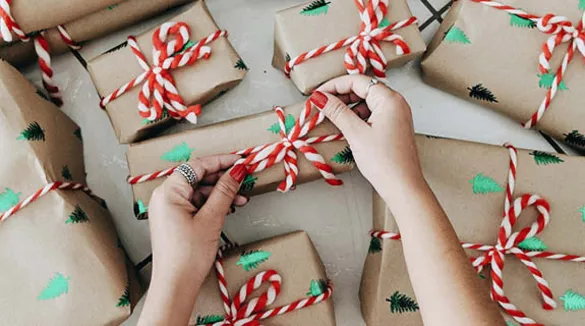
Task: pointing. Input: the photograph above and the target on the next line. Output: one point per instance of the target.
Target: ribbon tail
(191, 113)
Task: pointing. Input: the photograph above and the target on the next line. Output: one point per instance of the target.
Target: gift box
(323, 39)
(546, 213)
(58, 244)
(515, 60)
(92, 26)
(264, 140)
(141, 96)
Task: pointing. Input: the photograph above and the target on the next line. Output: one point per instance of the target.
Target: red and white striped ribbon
(243, 312)
(262, 157)
(159, 90)
(364, 47)
(67, 38)
(562, 31)
(57, 185)
(507, 244)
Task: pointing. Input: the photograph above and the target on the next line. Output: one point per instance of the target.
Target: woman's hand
(185, 227)
(383, 147)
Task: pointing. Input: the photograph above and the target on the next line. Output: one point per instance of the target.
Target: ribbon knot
(171, 50)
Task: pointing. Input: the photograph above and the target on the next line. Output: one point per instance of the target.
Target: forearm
(447, 288)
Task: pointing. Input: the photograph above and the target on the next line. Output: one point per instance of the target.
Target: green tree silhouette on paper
(480, 92)
(289, 123)
(315, 8)
(483, 185)
(32, 132)
(546, 81)
(544, 158)
(56, 287)
(456, 35)
(8, 199)
(317, 287)
(533, 244)
(179, 153)
(400, 303)
(517, 21)
(344, 157)
(77, 216)
(250, 260)
(573, 301)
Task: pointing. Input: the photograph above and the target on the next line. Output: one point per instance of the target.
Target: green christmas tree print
(384, 23)
(248, 183)
(546, 81)
(479, 92)
(77, 216)
(117, 47)
(8, 199)
(139, 208)
(250, 260)
(510, 323)
(289, 123)
(517, 21)
(209, 319)
(400, 303)
(375, 245)
(287, 57)
(484, 185)
(179, 153)
(533, 244)
(575, 139)
(544, 158)
(77, 134)
(573, 301)
(316, 288)
(42, 95)
(240, 64)
(582, 4)
(457, 35)
(344, 157)
(32, 132)
(66, 174)
(111, 7)
(165, 115)
(124, 300)
(317, 7)
(582, 211)
(56, 287)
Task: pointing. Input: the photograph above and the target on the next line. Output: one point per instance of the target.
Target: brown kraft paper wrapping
(504, 59)
(448, 166)
(197, 84)
(296, 33)
(227, 137)
(295, 259)
(90, 27)
(41, 241)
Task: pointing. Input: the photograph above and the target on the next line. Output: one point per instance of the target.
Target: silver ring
(372, 82)
(188, 173)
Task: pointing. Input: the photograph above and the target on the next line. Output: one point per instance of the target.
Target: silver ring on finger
(372, 82)
(188, 173)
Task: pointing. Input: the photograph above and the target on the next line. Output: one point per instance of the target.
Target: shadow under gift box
(469, 181)
(297, 31)
(231, 136)
(90, 27)
(198, 83)
(61, 251)
(491, 57)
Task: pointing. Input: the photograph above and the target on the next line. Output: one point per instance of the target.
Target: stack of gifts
(320, 40)
(96, 24)
(166, 73)
(539, 239)
(523, 58)
(61, 259)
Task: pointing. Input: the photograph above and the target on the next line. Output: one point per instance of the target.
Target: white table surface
(337, 219)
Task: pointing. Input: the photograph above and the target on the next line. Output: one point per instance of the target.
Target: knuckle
(335, 111)
(227, 188)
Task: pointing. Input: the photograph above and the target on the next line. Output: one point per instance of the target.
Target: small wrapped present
(92, 26)
(58, 245)
(298, 136)
(166, 73)
(523, 58)
(323, 39)
(542, 229)
(287, 269)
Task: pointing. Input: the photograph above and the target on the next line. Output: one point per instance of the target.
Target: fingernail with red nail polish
(318, 99)
(239, 172)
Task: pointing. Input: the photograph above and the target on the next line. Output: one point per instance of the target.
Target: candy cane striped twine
(562, 31)
(364, 47)
(57, 185)
(243, 312)
(262, 157)
(67, 38)
(159, 90)
(507, 243)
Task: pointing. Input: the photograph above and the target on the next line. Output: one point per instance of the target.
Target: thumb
(339, 113)
(223, 194)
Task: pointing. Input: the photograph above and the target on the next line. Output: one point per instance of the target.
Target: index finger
(347, 85)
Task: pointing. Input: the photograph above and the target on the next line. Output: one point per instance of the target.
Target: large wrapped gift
(62, 263)
(166, 73)
(523, 58)
(540, 236)
(298, 136)
(323, 39)
(92, 26)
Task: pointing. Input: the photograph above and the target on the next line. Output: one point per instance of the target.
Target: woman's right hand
(383, 147)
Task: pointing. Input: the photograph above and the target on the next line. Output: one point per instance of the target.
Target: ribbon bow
(262, 157)
(159, 90)
(364, 47)
(243, 312)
